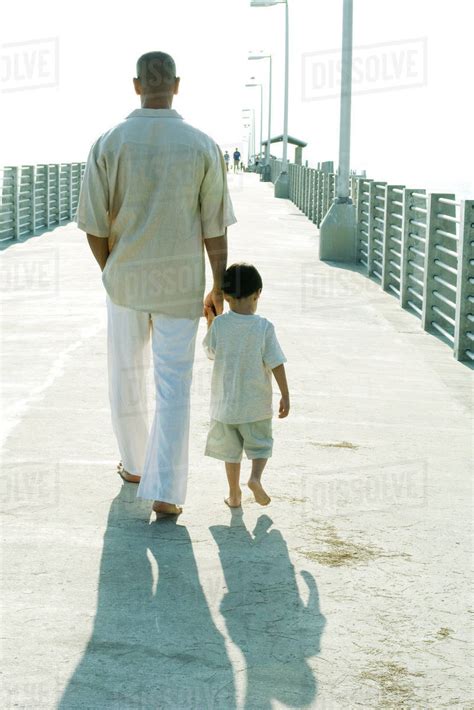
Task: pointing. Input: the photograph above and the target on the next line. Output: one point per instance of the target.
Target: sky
(66, 77)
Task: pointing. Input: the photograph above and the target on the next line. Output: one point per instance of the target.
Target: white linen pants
(160, 456)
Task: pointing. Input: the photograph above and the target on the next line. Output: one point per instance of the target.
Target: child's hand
(209, 314)
(284, 407)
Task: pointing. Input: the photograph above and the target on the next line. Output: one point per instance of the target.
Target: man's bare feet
(161, 508)
(258, 491)
(234, 501)
(126, 476)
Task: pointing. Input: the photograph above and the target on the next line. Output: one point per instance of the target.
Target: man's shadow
(265, 615)
(154, 643)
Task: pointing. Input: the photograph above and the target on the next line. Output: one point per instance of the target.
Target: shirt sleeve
(92, 214)
(209, 342)
(217, 211)
(272, 353)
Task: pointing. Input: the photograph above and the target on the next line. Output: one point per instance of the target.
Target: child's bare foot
(234, 501)
(161, 508)
(258, 491)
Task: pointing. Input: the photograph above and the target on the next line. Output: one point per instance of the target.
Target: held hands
(284, 407)
(213, 305)
(209, 314)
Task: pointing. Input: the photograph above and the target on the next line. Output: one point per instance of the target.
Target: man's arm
(216, 249)
(280, 376)
(100, 249)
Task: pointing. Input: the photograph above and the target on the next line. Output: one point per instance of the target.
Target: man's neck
(156, 104)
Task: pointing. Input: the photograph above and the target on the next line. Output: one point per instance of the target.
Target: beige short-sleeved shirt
(155, 187)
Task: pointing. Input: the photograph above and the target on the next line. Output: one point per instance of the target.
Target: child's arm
(280, 376)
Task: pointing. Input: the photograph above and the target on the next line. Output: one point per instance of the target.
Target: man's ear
(137, 85)
(176, 85)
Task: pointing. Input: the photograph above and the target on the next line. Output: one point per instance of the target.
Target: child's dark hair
(241, 280)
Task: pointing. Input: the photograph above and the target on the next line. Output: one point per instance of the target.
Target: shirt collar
(154, 113)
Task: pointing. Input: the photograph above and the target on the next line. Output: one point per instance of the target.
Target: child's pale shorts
(227, 441)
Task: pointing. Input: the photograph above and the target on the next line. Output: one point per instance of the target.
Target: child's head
(242, 285)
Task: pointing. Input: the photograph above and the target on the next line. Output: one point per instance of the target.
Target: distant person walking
(154, 195)
(236, 159)
(226, 159)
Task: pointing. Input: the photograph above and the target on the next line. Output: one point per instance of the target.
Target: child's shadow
(265, 615)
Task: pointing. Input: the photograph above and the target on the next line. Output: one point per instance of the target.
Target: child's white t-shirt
(245, 349)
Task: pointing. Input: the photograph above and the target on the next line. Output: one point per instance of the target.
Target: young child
(246, 352)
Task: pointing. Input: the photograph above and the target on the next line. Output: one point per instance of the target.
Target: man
(154, 195)
(236, 159)
(226, 160)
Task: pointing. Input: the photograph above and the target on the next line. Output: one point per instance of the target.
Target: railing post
(303, 192)
(375, 230)
(412, 250)
(30, 171)
(300, 190)
(47, 195)
(431, 268)
(319, 198)
(354, 185)
(71, 207)
(313, 195)
(306, 183)
(16, 203)
(464, 328)
(308, 191)
(392, 233)
(362, 222)
(58, 192)
(325, 195)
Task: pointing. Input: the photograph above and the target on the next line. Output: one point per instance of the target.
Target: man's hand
(100, 249)
(214, 302)
(284, 407)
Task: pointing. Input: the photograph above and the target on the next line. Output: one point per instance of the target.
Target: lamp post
(261, 111)
(249, 115)
(282, 184)
(267, 170)
(338, 228)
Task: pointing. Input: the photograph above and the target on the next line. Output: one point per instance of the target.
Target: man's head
(156, 82)
(242, 283)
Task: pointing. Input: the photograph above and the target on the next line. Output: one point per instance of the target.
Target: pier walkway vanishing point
(349, 591)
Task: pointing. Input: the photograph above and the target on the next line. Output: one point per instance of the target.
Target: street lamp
(249, 114)
(261, 111)
(282, 184)
(267, 169)
(338, 229)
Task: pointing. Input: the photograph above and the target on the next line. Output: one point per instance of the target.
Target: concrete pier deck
(349, 591)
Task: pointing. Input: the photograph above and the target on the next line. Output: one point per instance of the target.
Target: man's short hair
(241, 280)
(156, 71)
